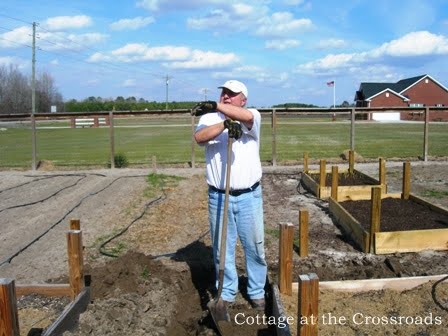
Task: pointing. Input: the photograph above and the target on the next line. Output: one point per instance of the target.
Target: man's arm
(237, 113)
(209, 133)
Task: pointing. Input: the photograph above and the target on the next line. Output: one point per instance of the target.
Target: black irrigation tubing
(147, 205)
(11, 257)
(434, 296)
(44, 177)
(46, 198)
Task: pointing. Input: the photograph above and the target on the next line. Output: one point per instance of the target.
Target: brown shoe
(258, 304)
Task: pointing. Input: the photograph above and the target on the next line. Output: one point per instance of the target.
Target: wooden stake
(334, 182)
(303, 233)
(154, 163)
(305, 162)
(286, 258)
(75, 262)
(75, 224)
(375, 218)
(351, 161)
(308, 305)
(322, 175)
(9, 318)
(382, 173)
(274, 137)
(406, 180)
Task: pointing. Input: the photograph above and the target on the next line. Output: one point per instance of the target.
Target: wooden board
(398, 284)
(56, 290)
(350, 225)
(411, 241)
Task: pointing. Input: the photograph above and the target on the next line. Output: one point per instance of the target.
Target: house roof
(368, 90)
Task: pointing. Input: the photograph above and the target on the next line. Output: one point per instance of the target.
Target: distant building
(420, 91)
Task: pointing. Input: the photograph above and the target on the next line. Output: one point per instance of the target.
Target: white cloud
(16, 38)
(259, 74)
(282, 24)
(141, 52)
(413, 44)
(293, 2)
(65, 22)
(281, 44)
(205, 60)
(163, 5)
(54, 62)
(129, 83)
(10, 60)
(99, 57)
(331, 44)
(132, 24)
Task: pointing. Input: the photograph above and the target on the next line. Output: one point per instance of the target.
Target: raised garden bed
(405, 225)
(350, 185)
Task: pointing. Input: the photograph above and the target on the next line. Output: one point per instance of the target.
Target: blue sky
(285, 51)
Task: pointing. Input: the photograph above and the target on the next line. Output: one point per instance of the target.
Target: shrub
(120, 160)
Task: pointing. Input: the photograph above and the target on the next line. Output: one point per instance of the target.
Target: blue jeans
(245, 220)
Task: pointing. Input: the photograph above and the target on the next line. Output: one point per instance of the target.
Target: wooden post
(9, 317)
(303, 233)
(305, 162)
(72, 122)
(426, 135)
(193, 142)
(352, 129)
(112, 139)
(75, 262)
(274, 137)
(375, 218)
(351, 161)
(334, 182)
(406, 180)
(322, 175)
(382, 173)
(286, 258)
(308, 305)
(75, 224)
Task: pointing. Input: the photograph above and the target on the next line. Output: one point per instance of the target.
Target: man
(218, 121)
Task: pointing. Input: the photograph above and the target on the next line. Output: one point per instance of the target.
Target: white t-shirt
(246, 165)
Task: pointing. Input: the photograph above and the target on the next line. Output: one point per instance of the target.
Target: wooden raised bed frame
(396, 241)
(343, 192)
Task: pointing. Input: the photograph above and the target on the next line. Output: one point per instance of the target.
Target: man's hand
(203, 108)
(234, 127)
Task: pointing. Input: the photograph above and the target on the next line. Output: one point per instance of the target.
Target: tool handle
(223, 248)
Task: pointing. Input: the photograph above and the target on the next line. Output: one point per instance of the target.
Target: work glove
(234, 128)
(203, 108)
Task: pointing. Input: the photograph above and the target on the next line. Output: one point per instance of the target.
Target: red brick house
(417, 91)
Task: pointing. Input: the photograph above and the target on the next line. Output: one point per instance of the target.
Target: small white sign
(54, 109)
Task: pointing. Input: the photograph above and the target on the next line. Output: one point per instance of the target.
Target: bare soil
(163, 276)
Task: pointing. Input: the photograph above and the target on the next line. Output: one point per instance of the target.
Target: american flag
(330, 83)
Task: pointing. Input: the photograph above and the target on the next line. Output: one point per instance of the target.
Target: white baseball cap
(235, 86)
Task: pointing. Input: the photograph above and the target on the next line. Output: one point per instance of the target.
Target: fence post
(112, 139)
(75, 261)
(308, 305)
(382, 171)
(334, 182)
(406, 180)
(33, 143)
(322, 175)
(305, 162)
(352, 129)
(375, 218)
(9, 317)
(274, 137)
(286, 258)
(426, 135)
(193, 142)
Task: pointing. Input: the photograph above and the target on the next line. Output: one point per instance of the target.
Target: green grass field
(170, 140)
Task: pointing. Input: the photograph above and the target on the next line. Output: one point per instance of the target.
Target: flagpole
(334, 94)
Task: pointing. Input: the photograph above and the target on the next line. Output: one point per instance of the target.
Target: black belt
(236, 192)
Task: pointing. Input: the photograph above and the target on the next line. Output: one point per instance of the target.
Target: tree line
(15, 97)
(16, 88)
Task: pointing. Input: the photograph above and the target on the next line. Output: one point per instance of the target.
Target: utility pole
(205, 93)
(167, 78)
(33, 99)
